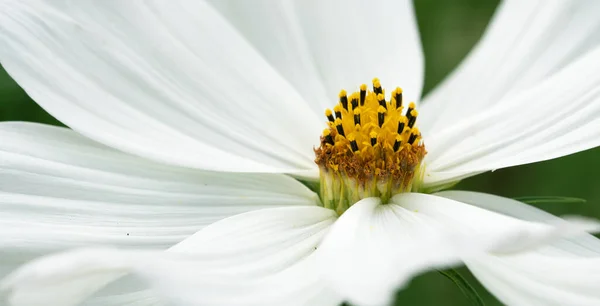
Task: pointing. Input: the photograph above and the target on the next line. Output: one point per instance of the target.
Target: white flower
(168, 98)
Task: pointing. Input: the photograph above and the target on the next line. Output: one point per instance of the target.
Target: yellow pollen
(371, 149)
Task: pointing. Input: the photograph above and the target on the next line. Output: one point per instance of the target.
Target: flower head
(193, 124)
(372, 148)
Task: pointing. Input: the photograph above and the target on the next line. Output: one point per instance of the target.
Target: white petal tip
(576, 224)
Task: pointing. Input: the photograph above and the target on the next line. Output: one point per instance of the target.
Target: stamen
(353, 144)
(411, 107)
(397, 143)
(354, 101)
(413, 118)
(338, 111)
(413, 136)
(357, 116)
(398, 97)
(381, 100)
(329, 115)
(344, 99)
(401, 124)
(373, 138)
(339, 127)
(377, 86)
(363, 94)
(327, 136)
(380, 115)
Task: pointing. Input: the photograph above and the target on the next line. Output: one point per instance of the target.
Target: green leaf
(550, 199)
(463, 285)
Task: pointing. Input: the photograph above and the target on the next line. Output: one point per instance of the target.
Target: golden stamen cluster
(371, 147)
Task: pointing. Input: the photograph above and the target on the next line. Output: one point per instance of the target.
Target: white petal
(139, 298)
(584, 244)
(534, 278)
(526, 42)
(322, 47)
(273, 28)
(558, 117)
(374, 249)
(256, 258)
(174, 82)
(354, 41)
(60, 190)
(298, 285)
(564, 273)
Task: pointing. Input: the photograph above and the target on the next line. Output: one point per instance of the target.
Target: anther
(413, 118)
(339, 127)
(380, 115)
(381, 100)
(353, 143)
(363, 94)
(344, 99)
(357, 116)
(377, 86)
(397, 143)
(411, 107)
(354, 101)
(329, 115)
(338, 111)
(373, 135)
(413, 136)
(401, 124)
(398, 97)
(327, 136)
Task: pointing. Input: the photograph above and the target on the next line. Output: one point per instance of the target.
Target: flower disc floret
(371, 148)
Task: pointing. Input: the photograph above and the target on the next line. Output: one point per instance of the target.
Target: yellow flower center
(372, 148)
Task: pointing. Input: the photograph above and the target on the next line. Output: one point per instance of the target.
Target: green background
(448, 30)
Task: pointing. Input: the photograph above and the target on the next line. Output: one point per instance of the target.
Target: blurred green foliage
(16, 105)
(449, 29)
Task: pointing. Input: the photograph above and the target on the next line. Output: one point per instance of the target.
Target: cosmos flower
(198, 128)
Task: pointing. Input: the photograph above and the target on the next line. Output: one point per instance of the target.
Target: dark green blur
(448, 30)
